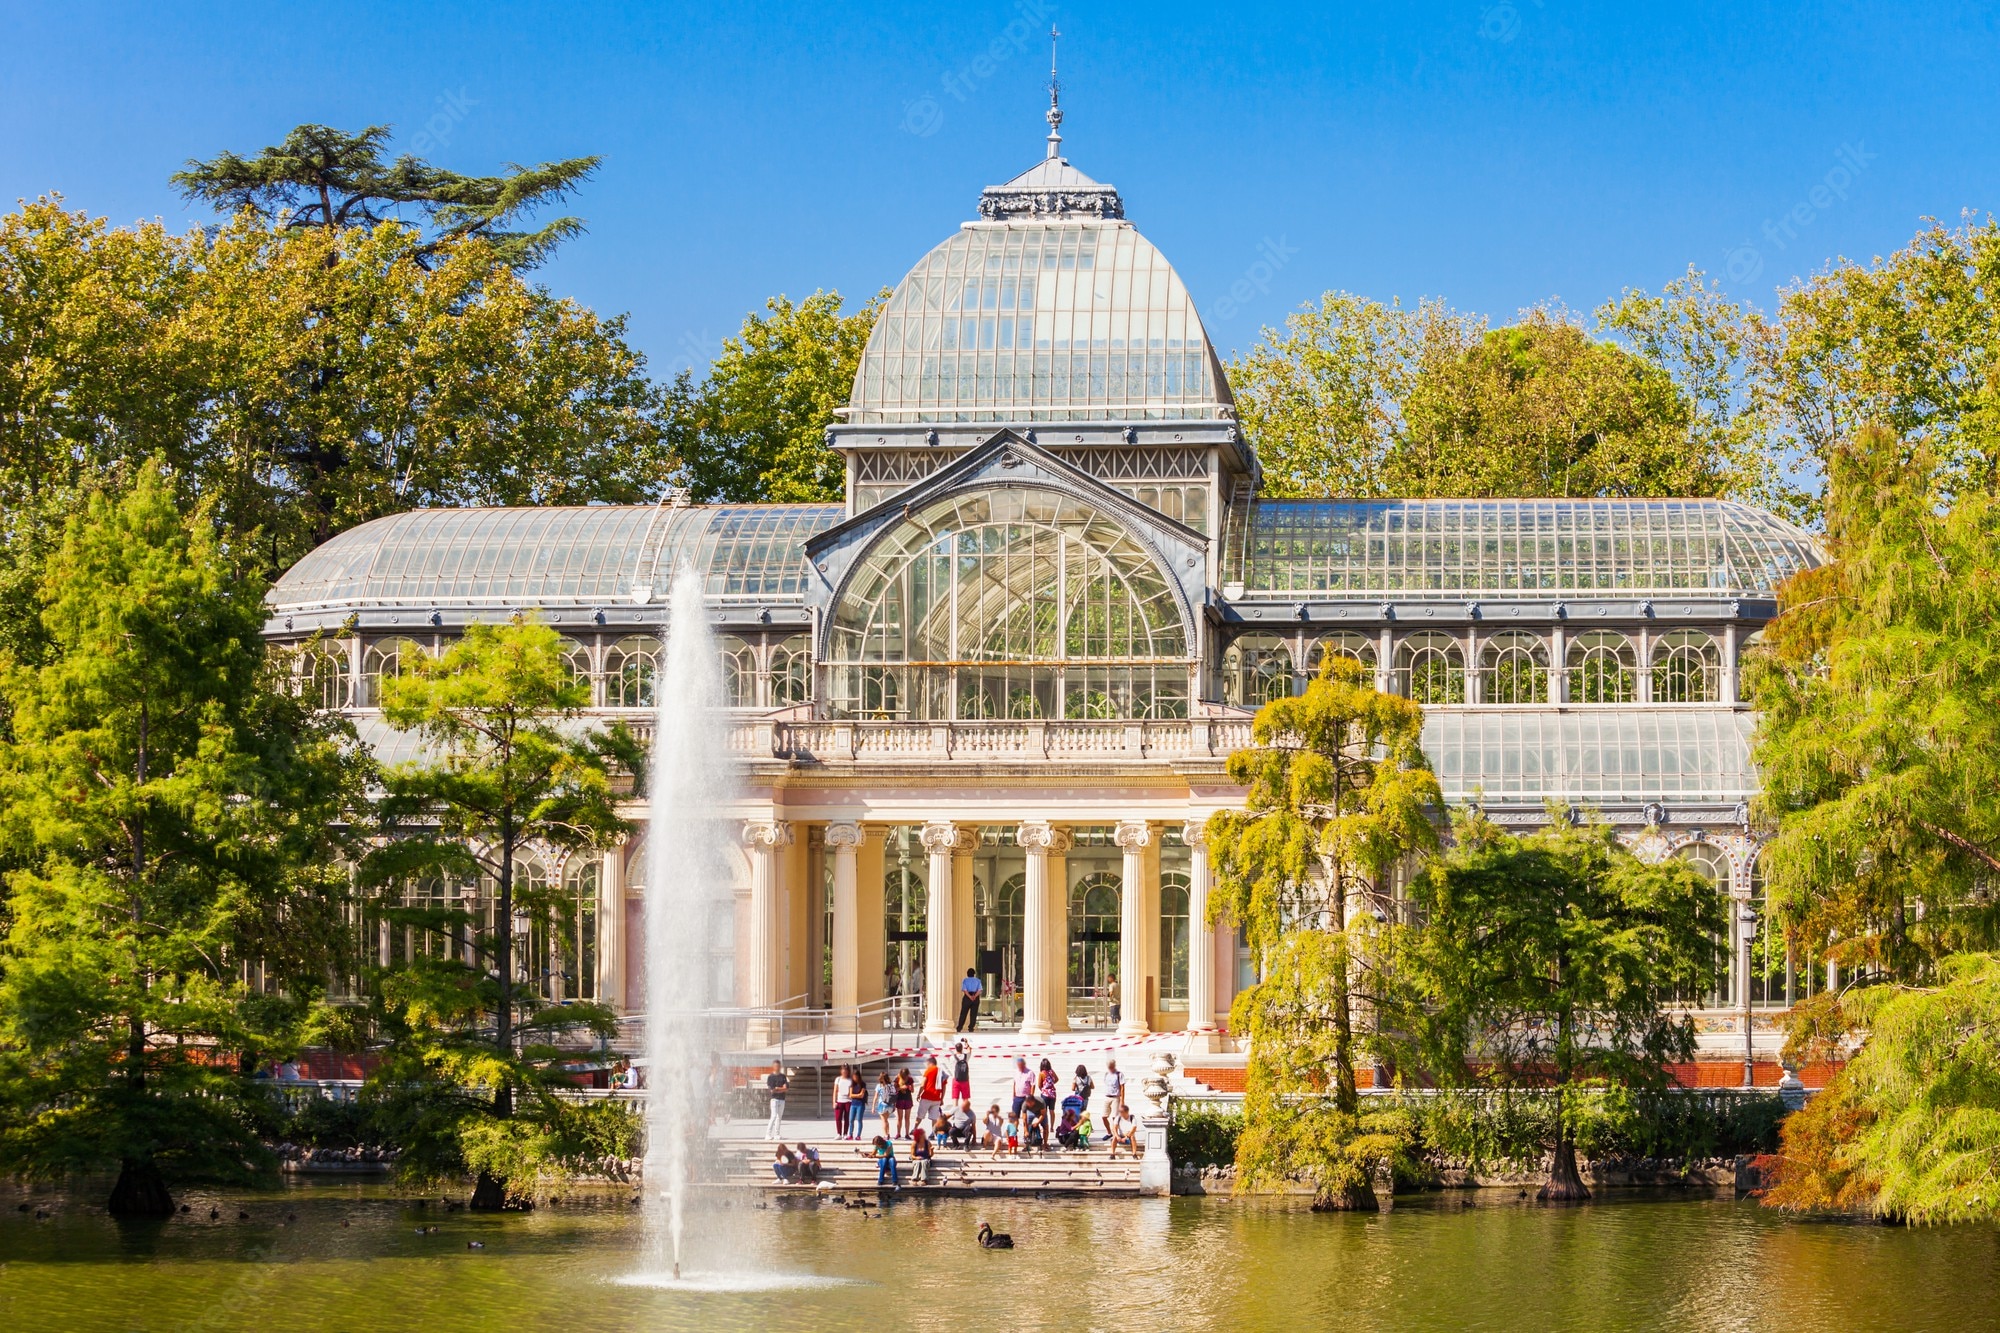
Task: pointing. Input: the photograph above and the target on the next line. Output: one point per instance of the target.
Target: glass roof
(1285, 548)
(1592, 755)
(544, 556)
(1077, 319)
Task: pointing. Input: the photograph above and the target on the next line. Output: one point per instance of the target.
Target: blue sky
(1496, 153)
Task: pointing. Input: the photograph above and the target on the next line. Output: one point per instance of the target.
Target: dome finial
(1055, 98)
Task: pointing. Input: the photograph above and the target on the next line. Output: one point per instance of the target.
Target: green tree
(1550, 961)
(307, 380)
(506, 765)
(755, 427)
(327, 178)
(1336, 792)
(168, 814)
(1878, 740)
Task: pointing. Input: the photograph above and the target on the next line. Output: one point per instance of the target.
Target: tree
(332, 180)
(169, 815)
(756, 425)
(506, 766)
(1336, 792)
(307, 380)
(1553, 960)
(1878, 741)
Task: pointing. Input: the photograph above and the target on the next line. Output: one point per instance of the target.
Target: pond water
(350, 1257)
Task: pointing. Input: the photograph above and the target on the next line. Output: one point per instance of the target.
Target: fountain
(687, 854)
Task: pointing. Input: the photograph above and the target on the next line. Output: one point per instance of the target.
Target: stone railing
(1038, 741)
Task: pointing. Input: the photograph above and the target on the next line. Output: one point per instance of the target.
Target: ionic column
(611, 927)
(1037, 838)
(1201, 935)
(842, 842)
(763, 839)
(940, 839)
(1132, 837)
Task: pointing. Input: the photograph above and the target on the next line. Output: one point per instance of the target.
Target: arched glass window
(571, 923)
(1093, 940)
(576, 657)
(1173, 939)
(320, 676)
(1601, 669)
(1687, 668)
(1433, 669)
(385, 657)
(1780, 975)
(1357, 646)
(739, 671)
(1009, 602)
(1514, 669)
(791, 671)
(1713, 864)
(1256, 669)
(630, 668)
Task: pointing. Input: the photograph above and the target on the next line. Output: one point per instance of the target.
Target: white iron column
(843, 841)
(1132, 837)
(940, 989)
(764, 839)
(1729, 674)
(1201, 935)
(1037, 838)
(1558, 666)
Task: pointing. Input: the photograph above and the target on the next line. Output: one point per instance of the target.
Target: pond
(351, 1257)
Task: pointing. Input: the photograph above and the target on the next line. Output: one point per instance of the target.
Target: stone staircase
(848, 1167)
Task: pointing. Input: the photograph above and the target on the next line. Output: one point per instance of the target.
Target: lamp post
(1746, 921)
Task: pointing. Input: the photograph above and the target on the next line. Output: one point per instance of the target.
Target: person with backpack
(961, 1073)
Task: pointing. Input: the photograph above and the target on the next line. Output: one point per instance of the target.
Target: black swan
(989, 1239)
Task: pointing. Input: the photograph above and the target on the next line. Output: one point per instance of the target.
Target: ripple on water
(736, 1282)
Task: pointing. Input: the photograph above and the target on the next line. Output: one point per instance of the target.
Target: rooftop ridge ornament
(1052, 188)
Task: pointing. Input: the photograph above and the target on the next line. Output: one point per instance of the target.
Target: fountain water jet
(687, 845)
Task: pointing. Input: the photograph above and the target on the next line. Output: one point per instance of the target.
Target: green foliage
(1513, 1128)
(1359, 398)
(1336, 790)
(1911, 1127)
(1202, 1135)
(755, 428)
(304, 380)
(327, 178)
(166, 813)
(1879, 742)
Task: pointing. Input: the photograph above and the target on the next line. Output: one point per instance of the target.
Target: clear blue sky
(1496, 154)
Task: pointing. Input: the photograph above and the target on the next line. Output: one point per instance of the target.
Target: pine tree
(167, 813)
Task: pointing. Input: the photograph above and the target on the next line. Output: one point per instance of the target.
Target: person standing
(777, 1082)
(930, 1094)
(906, 1089)
(1114, 1091)
(1047, 1085)
(885, 1101)
(1024, 1085)
(857, 1104)
(968, 1001)
(961, 1073)
(842, 1085)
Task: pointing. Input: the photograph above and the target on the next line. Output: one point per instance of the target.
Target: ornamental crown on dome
(1050, 189)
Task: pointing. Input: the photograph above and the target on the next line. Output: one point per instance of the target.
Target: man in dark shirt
(777, 1083)
(968, 1000)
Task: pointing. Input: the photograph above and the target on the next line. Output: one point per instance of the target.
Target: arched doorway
(1093, 948)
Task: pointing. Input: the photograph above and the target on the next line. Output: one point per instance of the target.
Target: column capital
(1038, 835)
(1194, 833)
(842, 837)
(1133, 834)
(944, 836)
(766, 833)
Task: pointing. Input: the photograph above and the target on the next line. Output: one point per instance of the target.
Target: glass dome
(1070, 319)
(1458, 548)
(550, 556)
(1014, 602)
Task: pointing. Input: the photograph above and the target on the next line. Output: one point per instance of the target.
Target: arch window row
(770, 671)
(1507, 667)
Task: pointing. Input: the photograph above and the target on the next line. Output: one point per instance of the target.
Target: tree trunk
(503, 1097)
(489, 1194)
(141, 1191)
(1354, 1199)
(1565, 1184)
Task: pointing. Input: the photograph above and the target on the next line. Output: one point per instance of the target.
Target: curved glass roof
(1058, 320)
(1290, 548)
(547, 556)
(1591, 755)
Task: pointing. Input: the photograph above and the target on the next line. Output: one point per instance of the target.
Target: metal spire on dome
(1055, 98)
